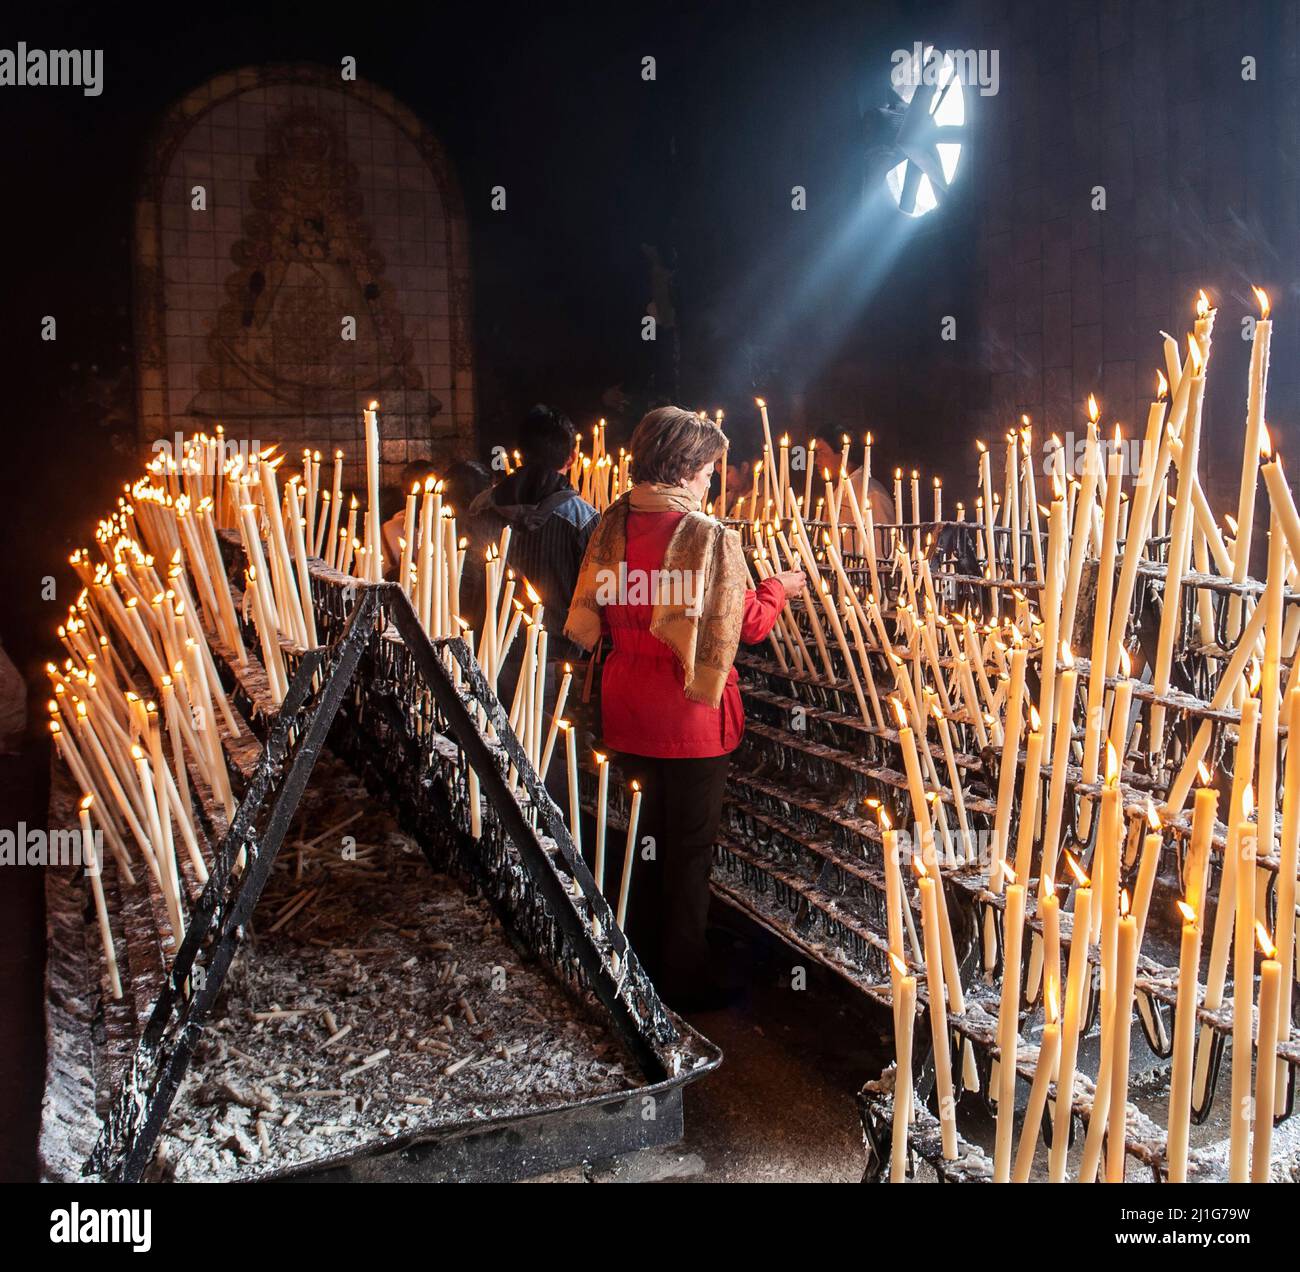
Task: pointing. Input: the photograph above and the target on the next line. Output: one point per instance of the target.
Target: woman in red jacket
(667, 585)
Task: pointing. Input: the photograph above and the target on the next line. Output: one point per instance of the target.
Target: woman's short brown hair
(671, 445)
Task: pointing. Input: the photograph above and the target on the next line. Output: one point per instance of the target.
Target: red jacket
(644, 710)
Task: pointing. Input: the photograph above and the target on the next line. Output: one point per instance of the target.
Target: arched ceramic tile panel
(283, 209)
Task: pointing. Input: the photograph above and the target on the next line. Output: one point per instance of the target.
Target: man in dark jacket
(550, 525)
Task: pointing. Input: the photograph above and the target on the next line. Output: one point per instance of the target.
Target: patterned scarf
(705, 642)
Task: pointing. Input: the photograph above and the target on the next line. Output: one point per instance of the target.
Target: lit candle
(1146, 879)
(1270, 688)
(722, 477)
(1007, 769)
(424, 571)
(336, 509)
(1049, 917)
(409, 530)
(1225, 911)
(1180, 1082)
(602, 801)
(969, 853)
(1029, 795)
(1107, 879)
(986, 485)
(925, 831)
(575, 808)
(934, 980)
(904, 1018)
(1100, 629)
(1287, 864)
(1139, 522)
(373, 540)
(1060, 761)
(1012, 511)
(768, 451)
(1270, 990)
(1080, 980)
(349, 538)
(91, 863)
(1243, 1004)
(629, 854)
(1013, 919)
(1126, 965)
(1256, 395)
(1179, 544)
(1084, 493)
(1049, 1048)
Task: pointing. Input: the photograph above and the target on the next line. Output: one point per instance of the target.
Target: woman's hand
(792, 582)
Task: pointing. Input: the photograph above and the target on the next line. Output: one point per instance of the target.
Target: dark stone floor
(781, 1108)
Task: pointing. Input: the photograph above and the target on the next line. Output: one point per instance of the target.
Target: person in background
(466, 480)
(463, 482)
(827, 456)
(393, 505)
(740, 480)
(667, 584)
(550, 524)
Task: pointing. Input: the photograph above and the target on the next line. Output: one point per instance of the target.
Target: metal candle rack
(797, 854)
(414, 716)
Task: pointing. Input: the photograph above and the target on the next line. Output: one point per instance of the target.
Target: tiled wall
(325, 200)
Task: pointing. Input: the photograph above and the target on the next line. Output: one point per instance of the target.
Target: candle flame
(980, 446)
(758, 402)
(1112, 764)
(1053, 1000)
(1125, 663)
(88, 800)
(1265, 442)
(1204, 771)
(919, 866)
(1202, 303)
(1162, 386)
(636, 786)
(1067, 655)
(1194, 353)
(1153, 817)
(1189, 914)
(1267, 948)
(600, 759)
(1247, 801)
(1035, 721)
(899, 966)
(1262, 296)
(899, 714)
(1094, 412)
(1009, 872)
